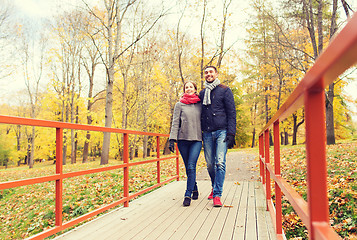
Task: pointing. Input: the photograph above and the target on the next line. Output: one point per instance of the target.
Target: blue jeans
(190, 151)
(215, 150)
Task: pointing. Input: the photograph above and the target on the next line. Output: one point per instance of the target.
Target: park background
(122, 64)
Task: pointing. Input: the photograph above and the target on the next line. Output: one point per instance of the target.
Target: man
(218, 123)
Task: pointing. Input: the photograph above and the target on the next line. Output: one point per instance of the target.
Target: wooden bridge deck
(160, 215)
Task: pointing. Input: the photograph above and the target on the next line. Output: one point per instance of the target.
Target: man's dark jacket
(221, 113)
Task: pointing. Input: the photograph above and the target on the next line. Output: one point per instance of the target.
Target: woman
(186, 130)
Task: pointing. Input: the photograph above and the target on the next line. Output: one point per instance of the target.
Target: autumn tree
(32, 61)
(261, 72)
(215, 55)
(113, 20)
(270, 69)
(319, 18)
(90, 59)
(6, 36)
(67, 73)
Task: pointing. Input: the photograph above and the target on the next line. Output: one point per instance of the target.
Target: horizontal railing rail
(339, 56)
(59, 175)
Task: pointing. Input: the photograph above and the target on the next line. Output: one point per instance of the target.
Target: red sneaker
(211, 195)
(217, 202)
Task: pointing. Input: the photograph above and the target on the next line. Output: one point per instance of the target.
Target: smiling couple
(209, 116)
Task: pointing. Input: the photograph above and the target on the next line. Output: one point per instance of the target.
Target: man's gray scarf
(209, 88)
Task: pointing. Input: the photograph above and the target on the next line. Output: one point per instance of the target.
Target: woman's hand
(172, 145)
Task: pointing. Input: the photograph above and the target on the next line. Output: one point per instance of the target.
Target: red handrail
(60, 176)
(339, 56)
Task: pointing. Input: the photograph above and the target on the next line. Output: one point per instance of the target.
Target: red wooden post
(316, 158)
(158, 156)
(59, 170)
(277, 173)
(261, 151)
(126, 169)
(267, 174)
(177, 163)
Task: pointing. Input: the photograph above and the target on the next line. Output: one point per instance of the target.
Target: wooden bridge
(160, 214)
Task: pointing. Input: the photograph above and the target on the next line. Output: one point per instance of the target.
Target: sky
(35, 8)
(36, 11)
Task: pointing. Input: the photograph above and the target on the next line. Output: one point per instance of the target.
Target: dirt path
(240, 166)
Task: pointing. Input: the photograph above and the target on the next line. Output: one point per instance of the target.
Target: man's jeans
(190, 151)
(215, 150)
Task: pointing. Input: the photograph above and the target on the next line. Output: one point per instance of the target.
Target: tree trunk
(64, 153)
(166, 149)
(89, 122)
(131, 152)
(203, 41)
(136, 151)
(223, 32)
(72, 146)
(330, 125)
(110, 82)
(309, 18)
(253, 138)
(266, 103)
(330, 128)
(75, 145)
(149, 146)
(286, 138)
(86, 148)
(145, 146)
(296, 127)
(108, 118)
(18, 138)
(65, 133)
(32, 151)
(282, 140)
(271, 142)
(133, 147)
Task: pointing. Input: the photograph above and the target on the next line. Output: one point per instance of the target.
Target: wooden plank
(189, 229)
(210, 219)
(178, 227)
(204, 210)
(153, 209)
(152, 226)
(160, 215)
(264, 223)
(204, 206)
(251, 228)
(158, 231)
(120, 217)
(221, 219)
(229, 225)
(240, 222)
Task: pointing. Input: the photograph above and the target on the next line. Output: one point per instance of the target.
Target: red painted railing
(60, 176)
(340, 55)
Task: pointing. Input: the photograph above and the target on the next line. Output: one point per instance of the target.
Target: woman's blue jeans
(215, 150)
(190, 151)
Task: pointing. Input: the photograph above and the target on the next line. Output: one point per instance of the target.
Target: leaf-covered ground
(25, 211)
(28, 210)
(342, 188)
